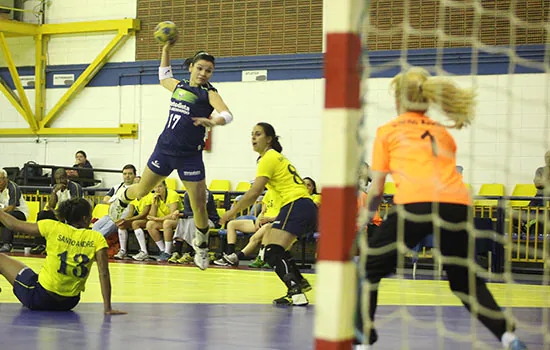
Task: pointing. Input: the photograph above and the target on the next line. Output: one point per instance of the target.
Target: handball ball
(166, 31)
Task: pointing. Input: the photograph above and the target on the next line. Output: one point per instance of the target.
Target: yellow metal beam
(28, 115)
(40, 75)
(84, 78)
(12, 97)
(124, 131)
(120, 25)
(39, 123)
(15, 28)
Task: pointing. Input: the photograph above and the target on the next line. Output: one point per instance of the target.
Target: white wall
(510, 135)
(293, 107)
(505, 145)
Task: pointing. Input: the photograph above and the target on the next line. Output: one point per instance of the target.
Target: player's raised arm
(166, 77)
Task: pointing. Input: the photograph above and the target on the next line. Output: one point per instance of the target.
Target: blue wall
(456, 61)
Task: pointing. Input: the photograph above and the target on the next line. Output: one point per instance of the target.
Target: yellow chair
(220, 211)
(243, 186)
(172, 183)
(34, 208)
(389, 188)
(523, 190)
(219, 185)
(489, 190)
(100, 210)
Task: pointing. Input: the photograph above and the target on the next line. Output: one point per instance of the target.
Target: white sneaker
(201, 256)
(221, 262)
(362, 347)
(118, 204)
(121, 255)
(231, 259)
(141, 256)
(299, 300)
(116, 209)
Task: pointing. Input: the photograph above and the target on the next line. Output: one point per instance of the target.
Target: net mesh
(503, 55)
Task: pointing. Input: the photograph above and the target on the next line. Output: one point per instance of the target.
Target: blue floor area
(228, 327)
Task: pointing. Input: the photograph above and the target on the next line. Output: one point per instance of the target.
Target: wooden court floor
(181, 307)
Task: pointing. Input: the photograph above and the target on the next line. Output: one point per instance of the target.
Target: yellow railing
(43, 198)
(528, 233)
(527, 228)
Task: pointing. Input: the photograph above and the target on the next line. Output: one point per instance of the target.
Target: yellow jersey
(316, 198)
(283, 177)
(164, 206)
(70, 255)
(272, 203)
(140, 204)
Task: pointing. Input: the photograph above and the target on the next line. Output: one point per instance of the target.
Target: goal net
(501, 50)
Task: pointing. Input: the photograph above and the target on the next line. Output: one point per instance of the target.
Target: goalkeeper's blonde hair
(416, 89)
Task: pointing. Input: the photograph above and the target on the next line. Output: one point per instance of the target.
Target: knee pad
(273, 253)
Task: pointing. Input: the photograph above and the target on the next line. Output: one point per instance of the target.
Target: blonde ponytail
(415, 90)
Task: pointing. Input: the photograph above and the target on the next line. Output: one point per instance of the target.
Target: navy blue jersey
(180, 136)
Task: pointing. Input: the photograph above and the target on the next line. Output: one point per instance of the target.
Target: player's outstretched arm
(102, 260)
(216, 101)
(166, 77)
(247, 200)
(18, 225)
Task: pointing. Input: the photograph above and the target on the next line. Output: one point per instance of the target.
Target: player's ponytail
(270, 132)
(415, 90)
(201, 55)
(74, 210)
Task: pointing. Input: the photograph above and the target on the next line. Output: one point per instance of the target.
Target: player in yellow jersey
(420, 154)
(297, 217)
(71, 250)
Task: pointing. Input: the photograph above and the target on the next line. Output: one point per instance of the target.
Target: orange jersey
(362, 203)
(420, 155)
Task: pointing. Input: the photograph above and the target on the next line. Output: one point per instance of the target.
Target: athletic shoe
(305, 286)
(141, 256)
(201, 259)
(257, 263)
(232, 259)
(39, 249)
(118, 205)
(174, 258)
(266, 266)
(121, 255)
(517, 345)
(6, 248)
(294, 297)
(362, 347)
(185, 259)
(116, 209)
(164, 256)
(221, 262)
